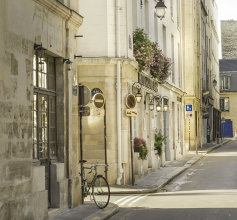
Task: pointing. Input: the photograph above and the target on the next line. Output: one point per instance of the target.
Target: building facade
(108, 64)
(200, 54)
(228, 67)
(228, 77)
(38, 108)
(210, 72)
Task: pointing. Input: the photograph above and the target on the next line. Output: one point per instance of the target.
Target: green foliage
(143, 152)
(159, 140)
(140, 144)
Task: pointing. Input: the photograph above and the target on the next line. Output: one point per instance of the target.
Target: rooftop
(228, 65)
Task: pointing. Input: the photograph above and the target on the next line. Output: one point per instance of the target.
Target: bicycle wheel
(101, 192)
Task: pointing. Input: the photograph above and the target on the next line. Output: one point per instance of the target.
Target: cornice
(173, 88)
(61, 10)
(105, 61)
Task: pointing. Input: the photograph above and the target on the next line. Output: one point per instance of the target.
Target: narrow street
(208, 190)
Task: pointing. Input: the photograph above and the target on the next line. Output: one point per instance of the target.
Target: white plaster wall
(99, 28)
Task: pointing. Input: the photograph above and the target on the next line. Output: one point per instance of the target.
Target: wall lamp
(214, 82)
(151, 103)
(68, 62)
(138, 95)
(160, 9)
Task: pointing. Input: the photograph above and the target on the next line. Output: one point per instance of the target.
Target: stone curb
(186, 166)
(106, 213)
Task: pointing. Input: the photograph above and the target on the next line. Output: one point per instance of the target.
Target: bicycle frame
(86, 185)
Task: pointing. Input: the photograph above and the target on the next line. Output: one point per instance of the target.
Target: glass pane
(35, 118)
(51, 80)
(34, 78)
(44, 81)
(35, 152)
(35, 102)
(40, 134)
(52, 120)
(52, 149)
(43, 150)
(44, 119)
(34, 135)
(45, 134)
(52, 104)
(52, 135)
(34, 62)
(39, 80)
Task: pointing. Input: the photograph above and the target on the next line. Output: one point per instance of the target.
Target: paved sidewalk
(88, 211)
(158, 179)
(150, 183)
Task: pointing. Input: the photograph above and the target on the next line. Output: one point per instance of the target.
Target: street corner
(106, 213)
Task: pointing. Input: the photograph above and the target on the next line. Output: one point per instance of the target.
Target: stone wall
(22, 182)
(229, 39)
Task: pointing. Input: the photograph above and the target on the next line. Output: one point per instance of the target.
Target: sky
(227, 9)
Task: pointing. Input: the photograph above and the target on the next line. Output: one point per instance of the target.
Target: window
(44, 109)
(171, 8)
(172, 51)
(156, 27)
(179, 66)
(178, 13)
(225, 82)
(146, 17)
(224, 104)
(164, 39)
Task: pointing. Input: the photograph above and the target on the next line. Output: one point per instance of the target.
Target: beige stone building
(200, 55)
(228, 80)
(108, 65)
(39, 113)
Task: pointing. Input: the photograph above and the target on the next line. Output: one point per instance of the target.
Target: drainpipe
(120, 168)
(67, 113)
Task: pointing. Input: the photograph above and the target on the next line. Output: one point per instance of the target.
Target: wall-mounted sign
(98, 100)
(131, 112)
(130, 101)
(85, 111)
(84, 95)
(188, 108)
(188, 111)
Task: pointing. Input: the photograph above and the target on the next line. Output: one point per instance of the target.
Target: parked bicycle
(98, 187)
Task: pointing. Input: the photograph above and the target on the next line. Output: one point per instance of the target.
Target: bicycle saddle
(82, 161)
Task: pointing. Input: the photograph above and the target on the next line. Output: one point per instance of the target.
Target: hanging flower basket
(150, 57)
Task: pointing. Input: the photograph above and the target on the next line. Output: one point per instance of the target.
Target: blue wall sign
(188, 108)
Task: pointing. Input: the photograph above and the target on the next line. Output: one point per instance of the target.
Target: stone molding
(62, 11)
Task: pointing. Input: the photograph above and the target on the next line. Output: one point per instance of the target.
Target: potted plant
(140, 147)
(159, 140)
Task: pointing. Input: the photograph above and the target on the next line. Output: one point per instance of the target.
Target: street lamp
(160, 9)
